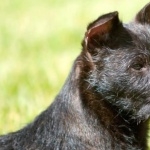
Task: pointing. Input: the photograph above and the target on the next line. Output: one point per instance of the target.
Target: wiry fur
(105, 102)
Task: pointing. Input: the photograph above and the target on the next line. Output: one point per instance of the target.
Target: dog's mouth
(148, 101)
(143, 113)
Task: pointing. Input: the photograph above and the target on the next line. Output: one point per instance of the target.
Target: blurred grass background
(39, 39)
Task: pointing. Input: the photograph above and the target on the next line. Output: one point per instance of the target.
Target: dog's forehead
(140, 34)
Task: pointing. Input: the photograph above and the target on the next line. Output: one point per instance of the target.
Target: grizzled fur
(105, 102)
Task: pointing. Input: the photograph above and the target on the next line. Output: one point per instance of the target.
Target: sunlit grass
(38, 42)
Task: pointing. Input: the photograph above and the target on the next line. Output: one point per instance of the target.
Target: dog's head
(120, 58)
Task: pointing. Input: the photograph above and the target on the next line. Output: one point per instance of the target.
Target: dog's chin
(142, 114)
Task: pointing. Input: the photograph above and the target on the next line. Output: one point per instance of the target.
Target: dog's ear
(143, 15)
(100, 31)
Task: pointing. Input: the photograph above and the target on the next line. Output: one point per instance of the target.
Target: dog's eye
(139, 63)
(138, 67)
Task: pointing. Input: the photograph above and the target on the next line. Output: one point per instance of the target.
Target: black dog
(105, 102)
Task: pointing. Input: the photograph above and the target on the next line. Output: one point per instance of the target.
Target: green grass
(39, 39)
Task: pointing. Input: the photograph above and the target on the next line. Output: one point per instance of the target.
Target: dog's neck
(124, 131)
(100, 114)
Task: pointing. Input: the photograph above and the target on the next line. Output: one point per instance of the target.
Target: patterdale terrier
(105, 102)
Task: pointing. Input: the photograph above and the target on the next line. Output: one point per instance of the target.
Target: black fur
(105, 102)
